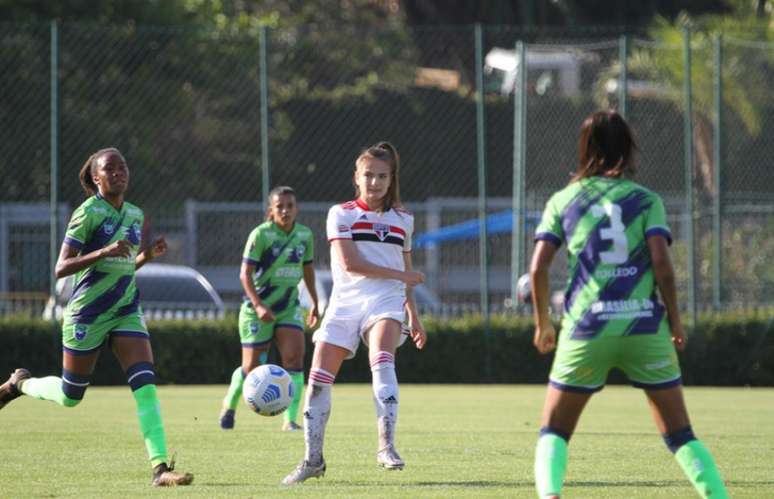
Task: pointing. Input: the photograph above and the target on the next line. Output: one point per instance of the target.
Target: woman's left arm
(418, 333)
(314, 313)
(150, 251)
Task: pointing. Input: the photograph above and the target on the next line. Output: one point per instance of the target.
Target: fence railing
(485, 120)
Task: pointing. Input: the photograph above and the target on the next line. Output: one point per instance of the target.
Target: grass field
(458, 441)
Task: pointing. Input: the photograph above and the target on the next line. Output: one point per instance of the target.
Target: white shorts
(346, 325)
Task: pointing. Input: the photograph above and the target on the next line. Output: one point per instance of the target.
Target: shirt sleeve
(550, 227)
(337, 225)
(655, 222)
(253, 248)
(79, 228)
(309, 250)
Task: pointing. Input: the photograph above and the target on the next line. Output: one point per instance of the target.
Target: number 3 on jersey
(619, 253)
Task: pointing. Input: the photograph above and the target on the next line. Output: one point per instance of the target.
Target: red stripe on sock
(382, 358)
(321, 377)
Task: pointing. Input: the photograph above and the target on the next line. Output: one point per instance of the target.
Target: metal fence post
(717, 159)
(433, 258)
(482, 229)
(623, 55)
(689, 201)
(54, 159)
(519, 164)
(191, 231)
(264, 82)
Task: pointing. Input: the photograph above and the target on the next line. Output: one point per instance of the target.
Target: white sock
(385, 387)
(316, 411)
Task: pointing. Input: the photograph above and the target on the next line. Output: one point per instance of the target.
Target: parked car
(427, 301)
(166, 292)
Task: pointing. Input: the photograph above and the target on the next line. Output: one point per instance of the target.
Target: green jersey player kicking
(617, 243)
(106, 241)
(277, 255)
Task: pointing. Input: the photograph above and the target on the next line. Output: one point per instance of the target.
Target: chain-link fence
(204, 119)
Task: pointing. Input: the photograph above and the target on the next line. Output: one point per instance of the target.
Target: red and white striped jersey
(381, 238)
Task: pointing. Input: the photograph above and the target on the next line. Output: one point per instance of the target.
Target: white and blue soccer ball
(268, 390)
(524, 289)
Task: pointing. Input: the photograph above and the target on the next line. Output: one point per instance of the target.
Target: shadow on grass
(665, 483)
(749, 483)
(461, 484)
(630, 483)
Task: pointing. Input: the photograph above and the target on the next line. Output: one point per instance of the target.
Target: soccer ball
(524, 289)
(268, 390)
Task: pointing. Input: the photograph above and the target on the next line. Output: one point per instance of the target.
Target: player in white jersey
(372, 295)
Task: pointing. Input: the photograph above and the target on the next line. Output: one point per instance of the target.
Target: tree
(667, 68)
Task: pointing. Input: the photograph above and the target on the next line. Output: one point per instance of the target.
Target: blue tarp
(496, 223)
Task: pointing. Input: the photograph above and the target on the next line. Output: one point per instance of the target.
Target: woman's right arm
(70, 261)
(352, 262)
(665, 280)
(246, 272)
(545, 335)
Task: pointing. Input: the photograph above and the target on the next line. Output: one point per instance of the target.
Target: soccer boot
(11, 389)
(291, 426)
(166, 476)
(389, 459)
(304, 471)
(227, 419)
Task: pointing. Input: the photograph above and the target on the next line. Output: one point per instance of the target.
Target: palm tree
(660, 60)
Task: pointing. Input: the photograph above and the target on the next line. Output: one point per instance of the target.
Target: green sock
(298, 387)
(234, 389)
(48, 388)
(151, 425)
(550, 464)
(698, 465)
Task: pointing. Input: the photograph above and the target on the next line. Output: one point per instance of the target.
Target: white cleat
(304, 471)
(292, 426)
(389, 459)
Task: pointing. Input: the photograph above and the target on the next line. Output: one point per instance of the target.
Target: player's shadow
(473, 483)
(749, 483)
(630, 483)
(665, 483)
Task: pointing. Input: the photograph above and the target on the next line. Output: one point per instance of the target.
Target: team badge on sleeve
(343, 229)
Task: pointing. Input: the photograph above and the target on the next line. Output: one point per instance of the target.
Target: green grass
(458, 441)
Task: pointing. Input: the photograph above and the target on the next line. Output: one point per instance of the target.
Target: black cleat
(11, 389)
(227, 419)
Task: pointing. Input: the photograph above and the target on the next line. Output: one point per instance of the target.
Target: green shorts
(255, 333)
(85, 338)
(648, 360)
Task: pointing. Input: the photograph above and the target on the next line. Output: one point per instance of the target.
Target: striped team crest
(381, 231)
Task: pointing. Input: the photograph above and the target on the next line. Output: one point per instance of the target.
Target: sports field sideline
(457, 440)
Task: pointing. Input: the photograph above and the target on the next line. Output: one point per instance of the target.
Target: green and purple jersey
(611, 289)
(105, 290)
(279, 260)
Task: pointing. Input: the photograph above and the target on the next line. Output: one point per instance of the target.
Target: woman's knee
(292, 360)
(252, 358)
